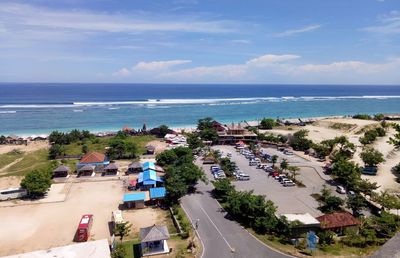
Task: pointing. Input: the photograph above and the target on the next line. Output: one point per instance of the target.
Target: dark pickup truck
(369, 171)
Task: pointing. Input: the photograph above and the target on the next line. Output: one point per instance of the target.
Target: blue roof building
(149, 178)
(157, 192)
(149, 166)
(134, 200)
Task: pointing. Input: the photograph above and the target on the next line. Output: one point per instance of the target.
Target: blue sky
(195, 41)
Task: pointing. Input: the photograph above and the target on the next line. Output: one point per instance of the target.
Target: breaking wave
(168, 102)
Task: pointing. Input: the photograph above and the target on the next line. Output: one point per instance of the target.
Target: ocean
(39, 108)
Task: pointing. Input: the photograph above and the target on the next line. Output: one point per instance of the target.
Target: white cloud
(23, 16)
(278, 69)
(269, 59)
(387, 24)
(241, 41)
(158, 65)
(123, 72)
(288, 33)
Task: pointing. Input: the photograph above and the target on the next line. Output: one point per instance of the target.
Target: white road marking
(226, 241)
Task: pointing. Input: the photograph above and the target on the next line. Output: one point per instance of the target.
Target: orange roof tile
(93, 157)
(337, 220)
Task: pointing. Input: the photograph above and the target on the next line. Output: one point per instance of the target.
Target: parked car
(288, 152)
(370, 171)
(289, 183)
(340, 189)
(229, 154)
(244, 177)
(252, 163)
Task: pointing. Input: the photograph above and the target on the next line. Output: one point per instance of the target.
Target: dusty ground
(44, 225)
(10, 182)
(160, 145)
(38, 226)
(32, 146)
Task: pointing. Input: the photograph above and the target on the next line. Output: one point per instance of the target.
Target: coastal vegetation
(37, 182)
(372, 134)
(377, 117)
(395, 140)
(22, 163)
(371, 157)
(181, 174)
(267, 123)
(299, 141)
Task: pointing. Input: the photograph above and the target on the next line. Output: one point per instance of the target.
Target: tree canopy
(267, 123)
(37, 182)
(371, 157)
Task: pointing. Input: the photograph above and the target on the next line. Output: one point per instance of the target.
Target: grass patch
(341, 126)
(30, 161)
(100, 144)
(337, 249)
(10, 157)
(131, 247)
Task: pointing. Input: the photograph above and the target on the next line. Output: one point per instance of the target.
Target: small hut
(134, 167)
(87, 170)
(134, 200)
(154, 240)
(61, 171)
(111, 170)
(150, 149)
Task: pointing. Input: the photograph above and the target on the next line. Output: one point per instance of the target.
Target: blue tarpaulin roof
(148, 176)
(157, 192)
(131, 197)
(149, 165)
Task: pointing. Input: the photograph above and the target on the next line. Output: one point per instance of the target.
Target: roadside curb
(195, 230)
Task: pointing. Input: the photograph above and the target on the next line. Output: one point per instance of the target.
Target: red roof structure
(93, 157)
(337, 220)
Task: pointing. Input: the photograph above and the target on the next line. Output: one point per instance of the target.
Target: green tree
(175, 185)
(395, 140)
(119, 252)
(356, 203)
(121, 148)
(274, 159)
(379, 117)
(328, 202)
(37, 182)
(299, 141)
(347, 172)
(166, 158)
(122, 230)
(56, 150)
(343, 149)
(371, 157)
(222, 189)
(205, 123)
(293, 171)
(194, 141)
(163, 130)
(227, 165)
(209, 134)
(284, 165)
(85, 149)
(267, 123)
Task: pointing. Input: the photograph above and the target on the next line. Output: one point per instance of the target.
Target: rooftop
(93, 157)
(61, 168)
(131, 197)
(90, 249)
(304, 218)
(337, 220)
(154, 233)
(157, 192)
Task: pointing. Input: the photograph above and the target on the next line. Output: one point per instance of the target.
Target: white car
(340, 189)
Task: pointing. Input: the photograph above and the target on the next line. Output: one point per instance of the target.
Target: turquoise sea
(39, 108)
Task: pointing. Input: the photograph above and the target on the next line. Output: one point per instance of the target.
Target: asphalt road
(220, 236)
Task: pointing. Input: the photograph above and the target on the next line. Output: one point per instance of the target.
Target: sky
(196, 41)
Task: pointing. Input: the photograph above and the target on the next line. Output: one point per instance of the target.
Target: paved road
(222, 237)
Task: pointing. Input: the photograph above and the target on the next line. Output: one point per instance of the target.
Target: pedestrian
(197, 224)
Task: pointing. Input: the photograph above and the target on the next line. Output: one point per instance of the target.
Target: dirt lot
(32, 146)
(39, 226)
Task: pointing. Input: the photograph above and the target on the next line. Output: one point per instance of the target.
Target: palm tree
(293, 170)
(284, 165)
(274, 159)
(122, 230)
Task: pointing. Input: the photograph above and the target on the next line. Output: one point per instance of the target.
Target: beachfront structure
(90, 249)
(154, 240)
(148, 166)
(150, 149)
(135, 167)
(149, 179)
(175, 140)
(134, 200)
(338, 222)
(235, 133)
(301, 223)
(61, 171)
(86, 170)
(157, 193)
(96, 159)
(111, 169)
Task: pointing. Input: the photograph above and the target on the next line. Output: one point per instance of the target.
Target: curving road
(220, 236)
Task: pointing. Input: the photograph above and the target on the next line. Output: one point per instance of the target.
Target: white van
(116, 217)
(12, 193)
(244, 177)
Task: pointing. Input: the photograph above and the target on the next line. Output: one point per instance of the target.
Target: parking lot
(288, 199)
